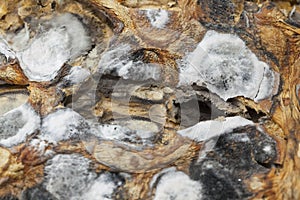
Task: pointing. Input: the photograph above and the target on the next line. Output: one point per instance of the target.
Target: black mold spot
(9, 197)
(254, 116)
(37, 192)
(270, 6)
(235, 157)
(217, 11)
(53, 5)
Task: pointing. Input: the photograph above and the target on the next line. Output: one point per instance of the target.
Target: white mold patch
(68, 176)
(269, 85)
(157, 17)
(62, 125)
(267, 149)
(77, 75)
(18, 41)
(207, 129)
(176, 185)
(112, 132)
(240, 137)
(6, 51)
(60, 40)
(225, 64)
(17, 124)
(40, 146)
(71, 177)
(123, 134)
(116, 62)
(102, 188)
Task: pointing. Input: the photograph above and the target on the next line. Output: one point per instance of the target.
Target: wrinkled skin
(271, 31)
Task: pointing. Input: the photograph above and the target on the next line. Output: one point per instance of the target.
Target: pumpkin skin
(150, 98)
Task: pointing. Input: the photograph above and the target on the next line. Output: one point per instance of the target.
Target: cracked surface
(149, 100)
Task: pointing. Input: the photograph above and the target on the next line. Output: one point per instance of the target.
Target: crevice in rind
(105, 15)
(13, 89)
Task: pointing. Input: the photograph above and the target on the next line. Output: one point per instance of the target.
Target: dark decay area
(204, 105)
(236, 156)
(194, 111)
(190, 111)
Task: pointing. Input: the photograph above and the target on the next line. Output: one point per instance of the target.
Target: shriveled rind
(120, 157)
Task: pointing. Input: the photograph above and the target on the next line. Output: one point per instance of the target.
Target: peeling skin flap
(20, 122)
(176, 185)
(62, 125)
(5, 50)
(46, 54)
(225, 64)
(116, 61)
(208, 129)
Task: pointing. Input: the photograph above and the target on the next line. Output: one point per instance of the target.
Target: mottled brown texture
(13, 74)
(44, 98)
(138, 161)
(268, 29)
